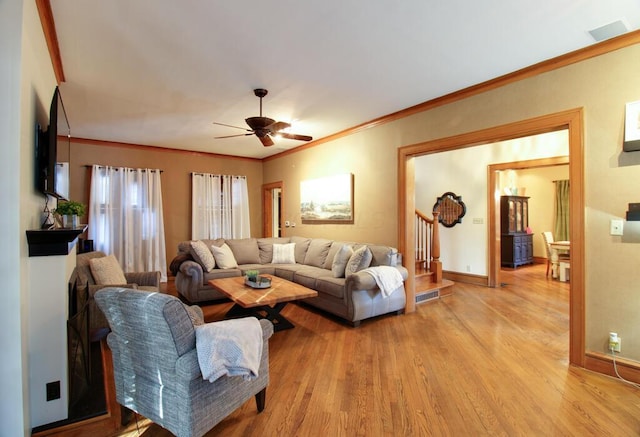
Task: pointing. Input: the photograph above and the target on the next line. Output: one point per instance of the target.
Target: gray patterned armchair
(156, 368)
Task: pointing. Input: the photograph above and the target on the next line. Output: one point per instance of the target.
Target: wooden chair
(547, 236)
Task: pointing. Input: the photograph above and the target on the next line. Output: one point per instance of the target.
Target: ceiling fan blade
(266, 140)
(295, 136)
(235, 127)
(232, 136)
(278, 126)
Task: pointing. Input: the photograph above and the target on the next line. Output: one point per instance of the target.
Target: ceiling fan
(264, 127)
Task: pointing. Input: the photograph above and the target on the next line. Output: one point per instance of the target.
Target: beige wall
(372, 162)
(176, 169)
(600, 85)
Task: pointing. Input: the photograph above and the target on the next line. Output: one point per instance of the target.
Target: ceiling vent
(610, 30)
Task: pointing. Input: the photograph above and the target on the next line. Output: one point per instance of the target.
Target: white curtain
(126, 218)
(219, 207)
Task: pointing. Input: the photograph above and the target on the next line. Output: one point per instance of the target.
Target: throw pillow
(360, 260)
(202, 255)
(284, 253)
(224, 257)
(107, 271)
(340, 261)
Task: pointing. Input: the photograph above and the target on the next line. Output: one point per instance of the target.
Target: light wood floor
(479, 362)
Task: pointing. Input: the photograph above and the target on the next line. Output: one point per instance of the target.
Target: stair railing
(428, 245)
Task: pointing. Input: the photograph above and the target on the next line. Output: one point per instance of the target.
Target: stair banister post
(436, 265)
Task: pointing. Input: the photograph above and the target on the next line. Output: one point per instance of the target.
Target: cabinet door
(512, 216)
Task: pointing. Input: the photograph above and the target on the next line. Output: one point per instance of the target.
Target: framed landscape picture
(327, 200)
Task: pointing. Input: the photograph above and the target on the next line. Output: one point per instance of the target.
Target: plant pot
(70, 221)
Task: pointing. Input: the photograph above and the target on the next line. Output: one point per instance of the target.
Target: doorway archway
(572, 120)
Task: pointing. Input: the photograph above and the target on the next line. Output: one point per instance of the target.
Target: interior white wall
(37, 87)
(12, 371)
(27, 81)
(464, 247)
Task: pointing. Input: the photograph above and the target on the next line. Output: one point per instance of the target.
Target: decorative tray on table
(260, 282)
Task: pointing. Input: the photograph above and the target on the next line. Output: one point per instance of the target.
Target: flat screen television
(52, 151)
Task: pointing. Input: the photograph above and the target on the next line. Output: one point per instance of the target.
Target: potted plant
(252, 275)
(70, 211)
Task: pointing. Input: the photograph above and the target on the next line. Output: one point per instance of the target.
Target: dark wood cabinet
(516, 243)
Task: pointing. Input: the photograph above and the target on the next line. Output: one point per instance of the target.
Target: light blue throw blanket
(230, 347)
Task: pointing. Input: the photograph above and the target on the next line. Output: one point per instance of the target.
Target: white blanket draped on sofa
(230, 347)
(387, 278)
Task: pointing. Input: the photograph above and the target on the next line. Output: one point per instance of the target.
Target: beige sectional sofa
(353, 296)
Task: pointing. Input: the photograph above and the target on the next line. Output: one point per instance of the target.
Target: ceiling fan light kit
(264, 127)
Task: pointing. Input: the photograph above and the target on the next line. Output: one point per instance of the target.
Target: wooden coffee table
(263, 303)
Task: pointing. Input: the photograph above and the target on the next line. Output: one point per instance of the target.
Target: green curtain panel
(561, 225)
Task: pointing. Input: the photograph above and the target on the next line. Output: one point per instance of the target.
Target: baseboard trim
(603, 363)
(466, 278)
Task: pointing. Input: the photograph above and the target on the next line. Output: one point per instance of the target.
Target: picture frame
(632, 127)
(327, 200)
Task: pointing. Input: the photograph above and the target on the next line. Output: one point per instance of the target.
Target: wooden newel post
(436, 265)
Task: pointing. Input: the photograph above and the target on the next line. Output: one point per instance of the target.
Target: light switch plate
(616, 227)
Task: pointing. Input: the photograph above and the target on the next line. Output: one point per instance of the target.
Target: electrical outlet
(616, 227)
(53, 391)
(615, 342)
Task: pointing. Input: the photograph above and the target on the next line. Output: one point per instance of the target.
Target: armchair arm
(151, 279)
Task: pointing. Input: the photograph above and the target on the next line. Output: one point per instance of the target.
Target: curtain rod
(194, 173)
(127, 168)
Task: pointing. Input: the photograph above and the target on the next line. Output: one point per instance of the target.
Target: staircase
(428, 279)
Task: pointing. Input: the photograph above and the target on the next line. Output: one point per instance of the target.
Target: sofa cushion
(220, 273)
(287, 271)
(201, 254)
(107, 271)
(284, 253)
(302, 245)
(330, 285)
(317, 252)
(307, 275)
(340, 261)
(224, 257)
(266, 248)
(245, 250)
(361, 259)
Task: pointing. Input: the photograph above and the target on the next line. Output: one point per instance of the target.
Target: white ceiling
(158, 72)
